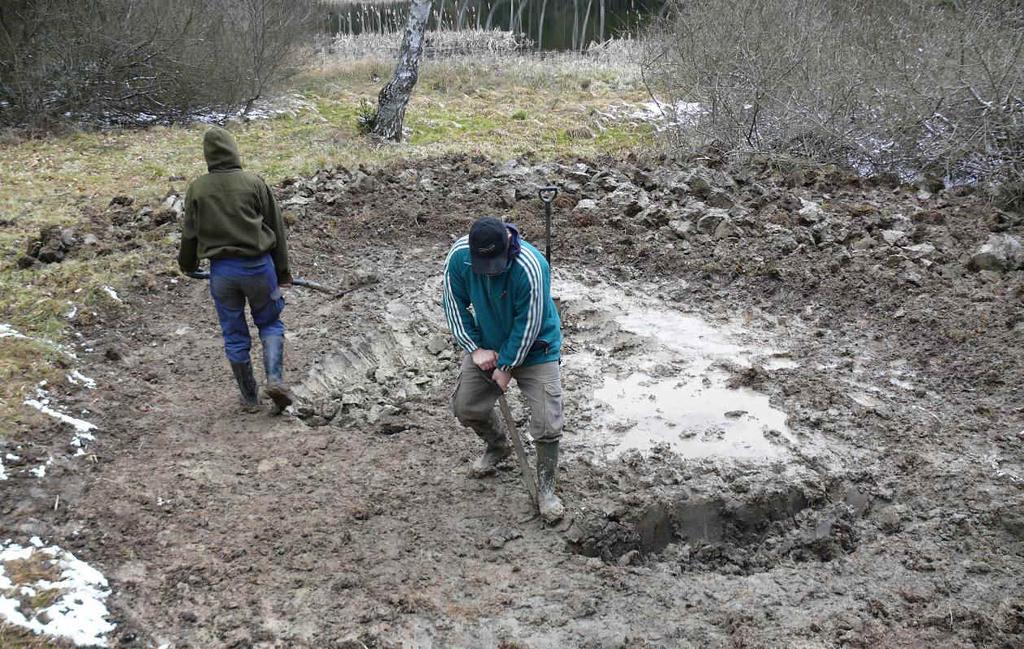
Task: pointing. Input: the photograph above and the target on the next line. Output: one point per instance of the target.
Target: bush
(143, 60)
(366, 115)
(932, 87)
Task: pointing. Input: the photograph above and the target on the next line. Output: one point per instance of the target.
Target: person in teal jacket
(513, 331)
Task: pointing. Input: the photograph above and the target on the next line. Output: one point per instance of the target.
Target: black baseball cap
(488, 246)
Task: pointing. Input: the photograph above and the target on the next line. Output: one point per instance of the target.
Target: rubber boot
(273, 361)
(246, 385)
(497, 450)
(550, 506)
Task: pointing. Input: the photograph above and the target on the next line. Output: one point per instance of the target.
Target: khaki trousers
(475, 395)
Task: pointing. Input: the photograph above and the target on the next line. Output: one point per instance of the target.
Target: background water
(549, 24)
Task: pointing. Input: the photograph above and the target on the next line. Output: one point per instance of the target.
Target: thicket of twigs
(438, 43)
(144, 60)
(916, 87)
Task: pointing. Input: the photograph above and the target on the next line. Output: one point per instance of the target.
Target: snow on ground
(40, 471)
(681, 113)
(109, 290)
(78, 378)
(76, 608)
(83, 429)
(7, 331)
(661, 115)
(42, 404)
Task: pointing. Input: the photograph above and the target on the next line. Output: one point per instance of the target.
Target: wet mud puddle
(651, 375)
(638, 372)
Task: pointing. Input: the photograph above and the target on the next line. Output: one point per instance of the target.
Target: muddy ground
(873, 498)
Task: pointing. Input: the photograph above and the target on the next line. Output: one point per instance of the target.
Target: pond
(549, 25)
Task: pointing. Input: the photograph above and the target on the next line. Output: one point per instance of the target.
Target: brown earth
(891, 515)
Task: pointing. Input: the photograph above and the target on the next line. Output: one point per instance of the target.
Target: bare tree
(272, 28)
(394, 97)
(133, 61)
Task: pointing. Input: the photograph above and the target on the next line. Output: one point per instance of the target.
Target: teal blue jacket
(513, 313)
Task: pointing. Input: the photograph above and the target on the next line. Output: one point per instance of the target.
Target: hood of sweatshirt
(221, 150)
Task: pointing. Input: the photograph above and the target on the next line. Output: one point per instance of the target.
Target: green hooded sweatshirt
(230, 212)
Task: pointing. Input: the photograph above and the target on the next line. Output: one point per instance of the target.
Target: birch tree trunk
(586, 22)
(394, 96)
(540, 26)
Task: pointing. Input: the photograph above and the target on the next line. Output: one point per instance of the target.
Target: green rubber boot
(273, 362)
(550, 505)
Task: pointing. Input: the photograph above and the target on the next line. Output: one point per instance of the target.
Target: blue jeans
(232, 282)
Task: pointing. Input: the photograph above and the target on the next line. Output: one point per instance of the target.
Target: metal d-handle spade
(547, 196)
(517, 445)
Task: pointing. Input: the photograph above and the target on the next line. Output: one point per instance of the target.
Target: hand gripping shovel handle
(517, 444)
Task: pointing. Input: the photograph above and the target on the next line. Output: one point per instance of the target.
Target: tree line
(932, 87)
(145, 60)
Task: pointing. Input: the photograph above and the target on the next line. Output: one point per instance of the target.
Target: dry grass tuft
(38, 566)
(12, 637)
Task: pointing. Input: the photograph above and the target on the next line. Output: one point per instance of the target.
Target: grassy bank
(496, 106)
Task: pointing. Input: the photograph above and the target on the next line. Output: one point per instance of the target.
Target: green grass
(460, 106)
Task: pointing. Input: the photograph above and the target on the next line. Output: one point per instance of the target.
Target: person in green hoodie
(232, 219)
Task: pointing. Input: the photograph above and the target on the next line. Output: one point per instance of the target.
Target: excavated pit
(638, 374)
(651, 398)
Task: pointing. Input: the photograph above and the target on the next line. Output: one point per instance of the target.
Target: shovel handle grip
(547, 194)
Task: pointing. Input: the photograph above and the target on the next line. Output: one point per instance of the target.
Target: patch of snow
(41, 403)
(83, 429)
(40, 471)
(7, 331)
(79, 614)
(70, 315)
(78, 378)
(112, 293)
(12, 457)
(663, 115)
(3, 472)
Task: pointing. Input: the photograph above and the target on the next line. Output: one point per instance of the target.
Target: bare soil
(890, 513)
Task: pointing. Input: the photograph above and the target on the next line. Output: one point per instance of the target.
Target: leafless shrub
(143, 60)
(933, 87)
